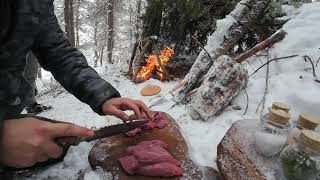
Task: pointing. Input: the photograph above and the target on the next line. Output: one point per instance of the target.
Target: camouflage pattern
(35, 28)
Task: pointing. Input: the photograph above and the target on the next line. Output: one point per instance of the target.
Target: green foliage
(181, 19)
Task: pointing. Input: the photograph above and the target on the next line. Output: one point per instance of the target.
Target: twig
(247, 107)
(318, 62)
(307, 58)
(263, 100)
(275, 59)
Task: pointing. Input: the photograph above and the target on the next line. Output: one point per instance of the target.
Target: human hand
(116, 106)
(27, 141)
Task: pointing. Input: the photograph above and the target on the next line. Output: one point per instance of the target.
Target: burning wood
(152, 65)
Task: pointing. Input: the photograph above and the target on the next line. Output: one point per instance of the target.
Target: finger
(145, 109)
(66, 129)
(42, 158)
(131, 105)
(52, 150)
(118, 113)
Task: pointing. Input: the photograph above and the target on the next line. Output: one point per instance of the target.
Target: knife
(102, 133)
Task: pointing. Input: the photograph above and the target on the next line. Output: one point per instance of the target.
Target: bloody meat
(150, 158)
(159, 122)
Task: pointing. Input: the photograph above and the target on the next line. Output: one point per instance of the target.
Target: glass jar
(272, 132)
(306, 122)
(301, 159)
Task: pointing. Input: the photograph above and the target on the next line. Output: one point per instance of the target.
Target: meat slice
(164, 169)
(129, 164)
(159, 122)
(149, 125)
(134, 132)
(150, 158)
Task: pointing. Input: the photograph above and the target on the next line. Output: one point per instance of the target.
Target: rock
(237, 158)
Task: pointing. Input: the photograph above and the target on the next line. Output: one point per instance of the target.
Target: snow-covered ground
(291, 81)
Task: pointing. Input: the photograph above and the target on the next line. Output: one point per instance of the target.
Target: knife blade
(102, 133)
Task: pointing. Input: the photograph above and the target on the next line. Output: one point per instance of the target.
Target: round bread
(150, 90)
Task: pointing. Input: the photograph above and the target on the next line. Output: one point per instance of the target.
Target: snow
(302, 94)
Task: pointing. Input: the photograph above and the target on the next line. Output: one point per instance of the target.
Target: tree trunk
(110, 29)
(137, 20)
(77, 22)
(96, 54)
(69, 20)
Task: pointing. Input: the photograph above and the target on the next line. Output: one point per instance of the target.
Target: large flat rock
(237, 158)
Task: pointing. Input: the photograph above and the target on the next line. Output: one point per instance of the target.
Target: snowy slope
(285, 84)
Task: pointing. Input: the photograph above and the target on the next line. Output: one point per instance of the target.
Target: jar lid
(279, 116)
(311, 139)
(307, 122)
(281, 106)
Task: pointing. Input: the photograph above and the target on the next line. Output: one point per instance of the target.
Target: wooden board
(106, 152)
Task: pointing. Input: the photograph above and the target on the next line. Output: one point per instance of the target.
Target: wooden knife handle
(68, 141)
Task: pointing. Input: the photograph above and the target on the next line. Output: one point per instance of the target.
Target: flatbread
(150, 90)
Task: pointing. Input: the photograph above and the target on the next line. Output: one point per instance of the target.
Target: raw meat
(151, 152)
(150, 158)
(159, 122)
(161, 169)
(129, 163)
(134, 132)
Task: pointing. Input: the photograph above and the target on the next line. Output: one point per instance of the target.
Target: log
(263, 45)
(227, 34)
(224, 81)
(106, 152)
(237, 158)
(143, 45)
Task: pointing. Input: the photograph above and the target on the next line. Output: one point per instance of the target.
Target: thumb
(66, 129)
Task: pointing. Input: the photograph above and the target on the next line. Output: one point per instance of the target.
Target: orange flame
(152, 64)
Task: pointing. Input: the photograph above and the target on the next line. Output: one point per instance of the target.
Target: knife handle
(68, 141)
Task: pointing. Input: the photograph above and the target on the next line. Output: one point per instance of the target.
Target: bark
(237, 158)
(261, 46)
(224, 81)
(110, 29)
(69, 20)
(226, 36)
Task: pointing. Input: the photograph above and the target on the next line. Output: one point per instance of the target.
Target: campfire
(154, 65)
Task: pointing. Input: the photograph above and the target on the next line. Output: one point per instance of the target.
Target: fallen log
(224, 81)
(237, 158)
(261, 46)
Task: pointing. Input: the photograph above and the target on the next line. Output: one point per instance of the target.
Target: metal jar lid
(281, 106)
(311, 139)
(279, 117)
(307, 122)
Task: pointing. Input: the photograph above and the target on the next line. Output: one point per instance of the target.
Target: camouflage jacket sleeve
(68, 65)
